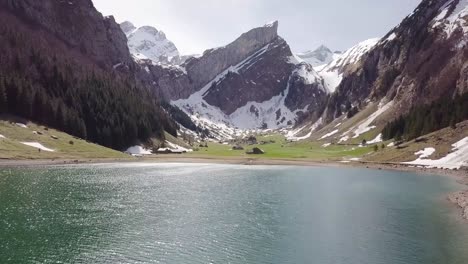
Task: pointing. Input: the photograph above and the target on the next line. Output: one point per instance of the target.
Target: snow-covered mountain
(333, 72)
(421, 60)
(319, 57)
(255, 82)
(331, 65)
(149, 43)
(276, 111)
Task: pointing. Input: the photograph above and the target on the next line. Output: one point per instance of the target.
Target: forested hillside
(45, 80)
(422, 120)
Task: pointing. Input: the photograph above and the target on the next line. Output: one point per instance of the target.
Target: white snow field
(378, 139)
(38, 146)
(138, 150)
(454, 160)
(329, 134)
(365, 126)
(332, 73)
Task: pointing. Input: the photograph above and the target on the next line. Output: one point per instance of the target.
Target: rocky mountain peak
(320, 56)
(214, 61)
(79, 24)
(147, 42)
(323, 48)
(261, 35)
(159, 35)
(127, 27)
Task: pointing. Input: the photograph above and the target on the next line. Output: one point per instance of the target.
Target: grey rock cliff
(77, 23)
(204, 69)
(416, 63)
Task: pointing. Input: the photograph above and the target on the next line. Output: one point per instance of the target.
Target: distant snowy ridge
(149, 43)
(332, 73)
(318, 57)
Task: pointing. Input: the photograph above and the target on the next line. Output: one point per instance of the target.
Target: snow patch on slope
(138, 150)
(265, 114)
(174, 147)
(38, 146)
(329, 134)
(454, 160)
(292, 135)
(456, 19)
(365, 126)
(333, 72)
(307, 73)
(343, 139)
(376, 140)
(354, 54)
(332, 79)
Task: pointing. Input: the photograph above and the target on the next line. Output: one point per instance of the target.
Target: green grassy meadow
(65, 146)
(282, 149)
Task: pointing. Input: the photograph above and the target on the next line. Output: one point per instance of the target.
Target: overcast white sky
(197, 25)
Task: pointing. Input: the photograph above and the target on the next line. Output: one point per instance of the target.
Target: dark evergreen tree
(425, 119)
(3, 97)
(59, 89)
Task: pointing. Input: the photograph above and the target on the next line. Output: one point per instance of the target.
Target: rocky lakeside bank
(461, 198)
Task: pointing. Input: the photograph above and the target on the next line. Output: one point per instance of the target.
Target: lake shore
(460, 199)
(461, 175)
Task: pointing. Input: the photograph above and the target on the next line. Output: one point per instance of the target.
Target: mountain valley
(254, 85)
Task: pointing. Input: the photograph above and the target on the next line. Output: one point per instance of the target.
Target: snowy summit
(149, 43)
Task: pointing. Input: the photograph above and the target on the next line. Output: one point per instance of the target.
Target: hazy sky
(196, 25)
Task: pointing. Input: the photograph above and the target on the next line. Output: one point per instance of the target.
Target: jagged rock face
(307, 91)
(351, 57)
(264, 75)
(258, 83)
(167, 81)
(213, 62)
(149, 43)
(181, 59)
(256, 70)
(269, 72)
(127, 27)
(201, 70)
(77, 23)
(422, 59)
(333, 72)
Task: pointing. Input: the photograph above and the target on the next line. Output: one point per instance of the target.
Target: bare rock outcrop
(461, 199)
(203, 69)
(79, 24)
(258, 70)
(263, 75)
(422, 59)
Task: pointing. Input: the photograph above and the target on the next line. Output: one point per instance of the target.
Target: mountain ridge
(81, 80)
(319, 57)
(147, 42)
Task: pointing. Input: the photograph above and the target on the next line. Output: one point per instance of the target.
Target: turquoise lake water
(200, 213)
